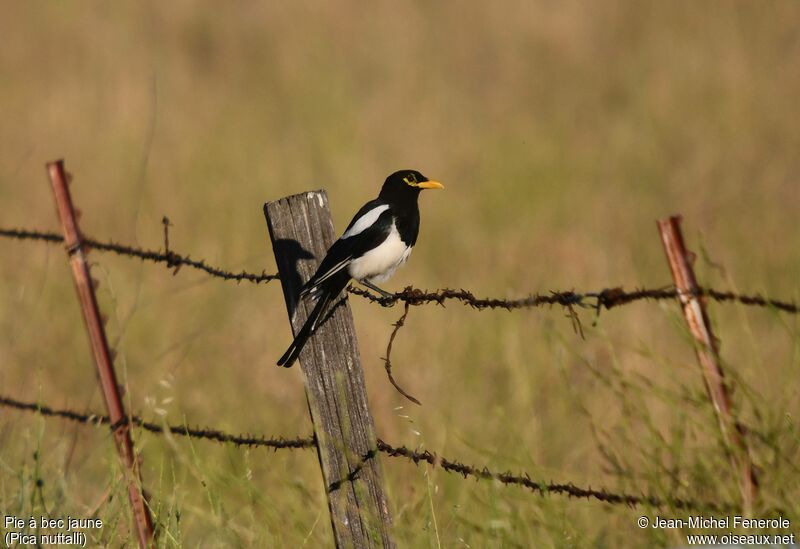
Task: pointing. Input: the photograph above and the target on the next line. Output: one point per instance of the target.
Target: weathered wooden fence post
(301, 230)
(102, 356)
(708, 355)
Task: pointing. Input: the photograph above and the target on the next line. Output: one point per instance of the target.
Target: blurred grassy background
(562, 131)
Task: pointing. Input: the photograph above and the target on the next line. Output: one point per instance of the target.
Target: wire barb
(170, 258)
(449, 465)
(543, 488)
(387, 362)
(181, 430)
(607, 298)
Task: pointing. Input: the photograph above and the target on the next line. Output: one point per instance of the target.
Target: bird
(377, 241)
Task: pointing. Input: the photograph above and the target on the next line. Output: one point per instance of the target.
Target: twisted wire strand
(607, 298)
(181, 430)
(169, 258)
(416, 456)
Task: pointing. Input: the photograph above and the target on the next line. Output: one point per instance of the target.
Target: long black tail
(333, 287)
(305, 332)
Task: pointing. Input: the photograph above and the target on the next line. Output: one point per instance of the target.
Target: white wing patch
(365, 221)
(333, 270)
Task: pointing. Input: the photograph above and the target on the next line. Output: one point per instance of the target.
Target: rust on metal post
(301, 231)
(102, 355)
(707, 350)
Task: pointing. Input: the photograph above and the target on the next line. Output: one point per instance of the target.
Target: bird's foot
(386, 295)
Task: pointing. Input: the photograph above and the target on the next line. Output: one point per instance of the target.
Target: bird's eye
(410, 179)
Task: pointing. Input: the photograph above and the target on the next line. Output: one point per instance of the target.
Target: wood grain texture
(301, 231)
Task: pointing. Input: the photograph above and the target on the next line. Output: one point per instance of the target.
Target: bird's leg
(374, 288)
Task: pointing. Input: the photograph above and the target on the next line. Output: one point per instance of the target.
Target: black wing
(344, 250)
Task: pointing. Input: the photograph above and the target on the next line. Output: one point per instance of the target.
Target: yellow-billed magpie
(376, 242)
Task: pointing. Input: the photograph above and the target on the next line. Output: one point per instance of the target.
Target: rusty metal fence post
(301, 231)
(707, 351)
(102, 356)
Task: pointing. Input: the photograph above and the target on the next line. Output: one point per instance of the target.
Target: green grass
(562, 132)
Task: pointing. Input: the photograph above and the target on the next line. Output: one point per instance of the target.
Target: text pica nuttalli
(376, 242)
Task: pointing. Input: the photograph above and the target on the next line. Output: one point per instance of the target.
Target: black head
(406, 185)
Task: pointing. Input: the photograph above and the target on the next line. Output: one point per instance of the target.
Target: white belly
(380, 263)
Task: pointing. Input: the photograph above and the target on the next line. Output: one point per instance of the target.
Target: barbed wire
(416, 456)
(181, 430)
(607, 298)
(387, 360)
(170, 259)
(568, 489)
